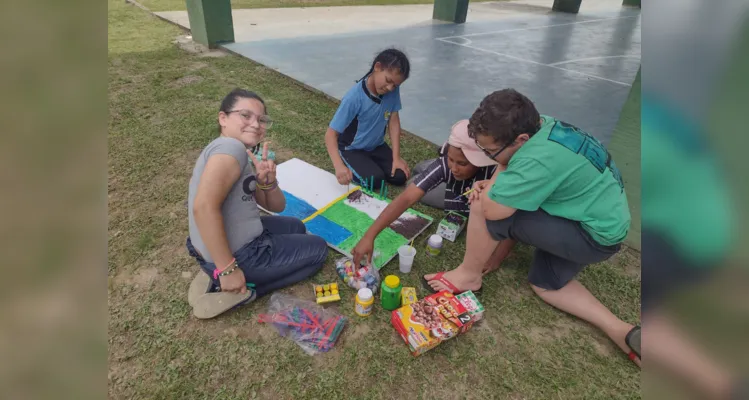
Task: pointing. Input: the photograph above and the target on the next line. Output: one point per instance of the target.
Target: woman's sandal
(209, 304)
(199, 286)
(634, 341)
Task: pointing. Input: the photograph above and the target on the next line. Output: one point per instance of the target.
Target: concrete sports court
(577, 67)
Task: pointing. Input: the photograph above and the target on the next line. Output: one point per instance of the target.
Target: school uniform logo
(580, 142)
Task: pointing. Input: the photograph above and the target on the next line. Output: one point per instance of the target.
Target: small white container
(406, 256)
(363, 302)
(434, 245)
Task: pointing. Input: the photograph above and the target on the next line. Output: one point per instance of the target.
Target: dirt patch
(214, 54)
(179, 171)
(120, 372)
(603, 347)
(175, 251)
(141, 277)
(272, 103)
(221, 327)
(359, 333)
(186, 80)
(545, 334)
(514, 294)
(304, 292)
(325, 360)
(629, 260)
(247, 332)
(186, 43)
(198, 65)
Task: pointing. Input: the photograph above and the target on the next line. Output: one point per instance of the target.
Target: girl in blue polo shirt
(356, 136)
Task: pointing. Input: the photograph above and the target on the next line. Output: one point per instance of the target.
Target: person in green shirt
(557, 189)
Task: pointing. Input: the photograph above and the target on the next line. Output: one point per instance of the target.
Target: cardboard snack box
(472, 304)
(434, 319)
(451, 226)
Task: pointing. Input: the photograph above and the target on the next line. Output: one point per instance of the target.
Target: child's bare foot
(500, 253)
(493, 265)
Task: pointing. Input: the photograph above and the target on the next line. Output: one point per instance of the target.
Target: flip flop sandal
(634, 341)
(439, 277)
(210, 305)
(199, 286)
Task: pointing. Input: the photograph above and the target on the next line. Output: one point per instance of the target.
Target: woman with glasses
(243, 254)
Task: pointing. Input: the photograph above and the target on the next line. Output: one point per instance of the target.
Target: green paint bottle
(390, 296)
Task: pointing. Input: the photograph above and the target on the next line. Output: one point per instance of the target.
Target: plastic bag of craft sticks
(366, 276)
(314, 328)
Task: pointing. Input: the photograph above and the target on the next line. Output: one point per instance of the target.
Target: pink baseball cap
(459, 138)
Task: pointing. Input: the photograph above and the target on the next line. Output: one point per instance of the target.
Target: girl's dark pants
(377, 163)
(282, 255)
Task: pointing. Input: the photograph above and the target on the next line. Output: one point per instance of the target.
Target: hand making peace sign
(264, 168)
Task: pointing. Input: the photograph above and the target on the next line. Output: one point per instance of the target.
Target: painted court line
(535, 62)
(536, 27)
(590, 58)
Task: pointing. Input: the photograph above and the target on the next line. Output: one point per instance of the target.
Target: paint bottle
(364, 302)
(434, 245)
(390, 296)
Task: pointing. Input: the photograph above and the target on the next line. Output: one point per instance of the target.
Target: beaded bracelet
(267, 187)
(227, 270)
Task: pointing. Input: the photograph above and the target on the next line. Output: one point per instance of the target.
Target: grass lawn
(162, 111)
(170, 5)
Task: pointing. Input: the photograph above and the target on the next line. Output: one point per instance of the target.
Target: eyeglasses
(248, 115)
(488, 153)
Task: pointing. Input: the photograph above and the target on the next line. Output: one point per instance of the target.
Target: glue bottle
(434, 244)
(364, 302)
(391, 293)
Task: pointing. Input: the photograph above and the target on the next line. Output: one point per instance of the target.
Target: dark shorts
(282, 255)
(563, 247)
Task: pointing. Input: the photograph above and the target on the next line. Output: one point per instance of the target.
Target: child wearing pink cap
(439, 183)
(460, 163)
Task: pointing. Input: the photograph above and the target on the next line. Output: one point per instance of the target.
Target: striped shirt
(438, 172)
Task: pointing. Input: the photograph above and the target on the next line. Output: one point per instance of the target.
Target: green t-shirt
(570, 174)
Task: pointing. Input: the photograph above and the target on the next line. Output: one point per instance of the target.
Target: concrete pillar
(568, 6)
(450, 10)
(625, 150)
(210, 21)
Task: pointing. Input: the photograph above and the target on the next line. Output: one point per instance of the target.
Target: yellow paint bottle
(364, 302)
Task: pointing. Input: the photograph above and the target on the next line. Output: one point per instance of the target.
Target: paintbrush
(465, 194)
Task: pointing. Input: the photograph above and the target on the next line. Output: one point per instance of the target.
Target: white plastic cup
(406, 256)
